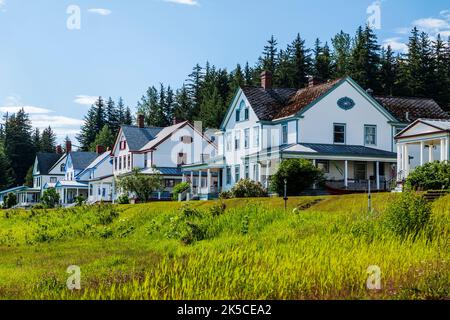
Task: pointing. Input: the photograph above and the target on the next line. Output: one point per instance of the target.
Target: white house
(338, 125)
(100, 178)
(429, 138)
(160, 150)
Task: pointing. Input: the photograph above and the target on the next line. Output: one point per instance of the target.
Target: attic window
(123, 145)
(187, 139)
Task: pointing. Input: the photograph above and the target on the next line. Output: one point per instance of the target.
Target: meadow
(238, 249)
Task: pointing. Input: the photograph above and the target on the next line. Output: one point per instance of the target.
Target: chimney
(313, 81)
(59, 149)
(68, 146)
(140, 120)
(100, 149)
(266, 80)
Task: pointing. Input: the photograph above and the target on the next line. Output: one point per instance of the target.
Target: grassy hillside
(252, 250)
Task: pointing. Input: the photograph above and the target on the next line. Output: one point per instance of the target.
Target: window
(187, 139)
(123, 145)
(284, 134)
(323, 165)
(99, 191)
(53, 180)
(91, 190)
(370, 135)
(256, 137)
(247, 169)
(246, 113)
(256, 172)
(228, 141)
(247, 138)
(228, 175)
(63, 167)
(238, 115)
(169, 183)
(237, 140)
(115, 163)
(129, 161)
(182, 159)
(237, 173)
(145, 160)
(339, 133)
(120, 163)
(104, 192)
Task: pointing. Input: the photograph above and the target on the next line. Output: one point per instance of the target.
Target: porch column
(346, 173)
(267, 174)
(422, 146)
(192, 182)
(208, 181)
(406, 159)
(183, 179)
(430, 153)
(378, 174)
(199, 187)
(399, 158)
(315, 164)
(442, 149)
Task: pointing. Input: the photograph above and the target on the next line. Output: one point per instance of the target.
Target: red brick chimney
(266, 80)
(100, 149)
(59, 149)
(68, 146)
(140, 120)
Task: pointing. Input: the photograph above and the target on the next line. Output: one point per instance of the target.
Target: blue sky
(122, 47)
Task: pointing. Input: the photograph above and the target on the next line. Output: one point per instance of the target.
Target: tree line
(19, 144)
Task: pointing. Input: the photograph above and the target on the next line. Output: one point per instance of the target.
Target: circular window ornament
(346, 103)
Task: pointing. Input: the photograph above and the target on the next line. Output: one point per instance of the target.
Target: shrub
(106, 215)
(39, 206)
(218, 209)
(142, 185)
(123, 199)
(431, 176)
(247, 188)
(180, 188)
(300, 175)
(50, 198)
(10, 201)
(80, 200)
(408, 214)
(225, 195)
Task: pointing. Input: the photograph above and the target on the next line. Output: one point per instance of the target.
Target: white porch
(422, 142)
(69, 191)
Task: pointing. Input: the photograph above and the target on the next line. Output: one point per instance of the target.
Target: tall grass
(253, 250)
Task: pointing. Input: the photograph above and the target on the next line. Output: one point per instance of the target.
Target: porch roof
(317, 151)
(71, 184)
(166, 171)
(19, 189)
(213, 163)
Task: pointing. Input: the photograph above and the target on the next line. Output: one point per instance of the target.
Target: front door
(360, 171)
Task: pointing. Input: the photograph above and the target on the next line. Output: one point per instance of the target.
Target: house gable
(240, 101)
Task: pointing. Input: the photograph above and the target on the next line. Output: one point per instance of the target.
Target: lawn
(251, 249)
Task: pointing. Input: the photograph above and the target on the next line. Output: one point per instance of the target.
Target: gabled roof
(407, 110)
(100, 158)
(163, 135)
(267, 103)
(333, 149)
(437, 126)
(139, 137)
(81, 160)
(46, 161)
(443, 125)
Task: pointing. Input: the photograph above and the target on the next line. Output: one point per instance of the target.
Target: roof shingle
(139, 137)
(46, 161)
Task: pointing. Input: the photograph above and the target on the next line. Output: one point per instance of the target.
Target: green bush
(106, 215)
(300, 175)
(225, 195)
(247, 188)
(180, 188)
(408, 214)
(431, 176)
(50, 198)
(218, 209)
(123, 199)
(10, 201)
(80, 200)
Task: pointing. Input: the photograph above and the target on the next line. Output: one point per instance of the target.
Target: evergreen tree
(285, 70)
(7, 177)
(248, 75)
(194, 85)
(322, 61)
(48, 140)
(212, 109)
(441, 75)
(121, 111)
(388, 72)
(341, 54)
(105, 138)
(183, 109)
(19, 147)
(113, 119)
(93, 124)
(301, 62)
(169, 106)
(268, 60)
(128, 118)
(150, 106)
(36, 140)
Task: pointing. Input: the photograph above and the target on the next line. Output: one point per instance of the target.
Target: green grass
(253, 250)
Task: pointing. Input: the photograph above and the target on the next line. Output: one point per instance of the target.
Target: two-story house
(164, 151)
(338, 125)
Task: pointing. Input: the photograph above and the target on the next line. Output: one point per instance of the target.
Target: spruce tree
(112, 116)
(301, 62)
(341, 54)
(105, 138)
(268, 60)
(48, 140)
(322, 61)
(388, 72)
(194, 85)
(248, 75)
(36, 140)
(183, 109)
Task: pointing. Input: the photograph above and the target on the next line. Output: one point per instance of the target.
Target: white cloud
(85, 100)
(185, 2)
(2, 4)
(396, 45)
(28, 109)
(100, 11)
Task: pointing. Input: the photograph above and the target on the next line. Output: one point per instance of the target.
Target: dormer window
(123, 145)
(238, 115)
(63, 167)
(242, 108)
(187, 139)
(246, 114)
